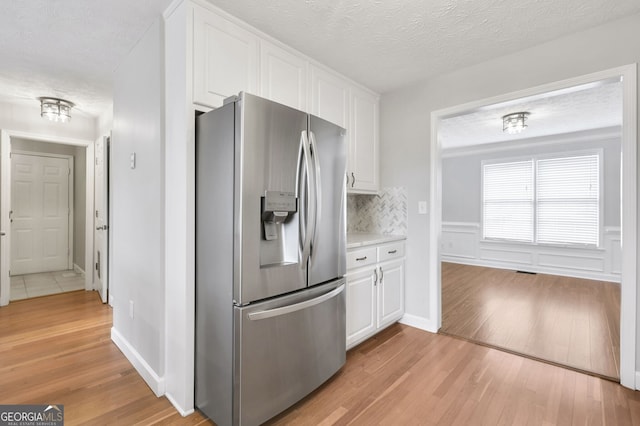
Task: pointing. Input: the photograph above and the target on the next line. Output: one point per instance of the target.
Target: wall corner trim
(419, 322)
(182, 411)
(155, 382)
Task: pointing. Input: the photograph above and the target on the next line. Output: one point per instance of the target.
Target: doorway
(43, 275)
(42, 212)
(628, 210)
(531, 228)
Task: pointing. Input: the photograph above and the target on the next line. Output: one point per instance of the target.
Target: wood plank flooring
(405, 376)
(56, 349)
(569, 321)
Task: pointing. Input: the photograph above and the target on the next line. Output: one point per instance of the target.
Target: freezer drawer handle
(270, 313)
(361, 258)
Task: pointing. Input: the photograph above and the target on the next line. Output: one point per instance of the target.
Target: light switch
(132, 158)
(422, 207)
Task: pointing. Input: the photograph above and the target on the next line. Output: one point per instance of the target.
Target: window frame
(599, 152)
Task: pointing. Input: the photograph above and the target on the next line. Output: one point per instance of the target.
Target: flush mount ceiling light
(515, 122)
(56, 109)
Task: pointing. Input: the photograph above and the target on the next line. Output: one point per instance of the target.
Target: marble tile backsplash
(385, 213)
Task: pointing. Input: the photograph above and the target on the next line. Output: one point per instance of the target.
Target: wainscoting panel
(505, 254)
(460, 240)
(462, 243)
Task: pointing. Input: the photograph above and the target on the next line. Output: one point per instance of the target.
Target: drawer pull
(392, 251)
(361, 258)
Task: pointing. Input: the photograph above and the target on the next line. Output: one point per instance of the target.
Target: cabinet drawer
(390, 251)
(361, 257)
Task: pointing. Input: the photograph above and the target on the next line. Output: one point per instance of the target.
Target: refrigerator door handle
(310, 214)
(317, 187)
(270, 313)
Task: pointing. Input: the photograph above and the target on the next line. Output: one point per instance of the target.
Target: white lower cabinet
(375, 290)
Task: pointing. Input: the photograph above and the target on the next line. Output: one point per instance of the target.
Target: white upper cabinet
(225, 59)
(329, 97)
(283, 76)
(230, 56)
(362, 169)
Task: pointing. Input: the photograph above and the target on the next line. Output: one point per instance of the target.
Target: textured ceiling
(565, 111)
(70, 48)
(385, 44)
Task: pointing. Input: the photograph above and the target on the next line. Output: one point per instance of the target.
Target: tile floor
(46, 283)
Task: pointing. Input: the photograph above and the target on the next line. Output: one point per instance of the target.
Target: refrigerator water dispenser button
(270, 231)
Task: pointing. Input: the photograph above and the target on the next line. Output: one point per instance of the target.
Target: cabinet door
(363, 142)
(283, 76)
(390, 292)
(361, 305)
(225, 59)
(330, 97)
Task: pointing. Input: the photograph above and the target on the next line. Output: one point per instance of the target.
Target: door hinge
(96, 161)
(69, 172)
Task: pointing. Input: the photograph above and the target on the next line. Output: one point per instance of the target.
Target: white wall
(104, 123)
(24, 116)
(406, 113)
(137, 206)
(180, 225)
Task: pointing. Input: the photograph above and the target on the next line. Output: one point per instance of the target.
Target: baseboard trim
(77, 269)
(182, 411)
(419, 322)
(598, 276)
(155, 382)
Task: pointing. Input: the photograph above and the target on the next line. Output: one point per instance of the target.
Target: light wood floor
(569, 321)
(56, 349)
(406, 376)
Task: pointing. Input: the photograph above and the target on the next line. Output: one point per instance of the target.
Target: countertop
(361, 239)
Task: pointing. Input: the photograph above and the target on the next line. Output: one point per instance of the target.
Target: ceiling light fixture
(515, 122)
(56, 109)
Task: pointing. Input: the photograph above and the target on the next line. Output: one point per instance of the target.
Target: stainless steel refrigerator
(270, 258)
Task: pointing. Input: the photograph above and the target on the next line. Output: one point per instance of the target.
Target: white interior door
(101, 240)
(40, 214)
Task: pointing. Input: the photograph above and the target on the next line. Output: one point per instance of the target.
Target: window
(508, 201)
(568, 200)
(545, 200)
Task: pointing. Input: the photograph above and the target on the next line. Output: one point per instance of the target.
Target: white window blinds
(568, 198)
(508, 201)
(560, 196)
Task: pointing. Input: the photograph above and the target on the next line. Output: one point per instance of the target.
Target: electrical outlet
(131, 308)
